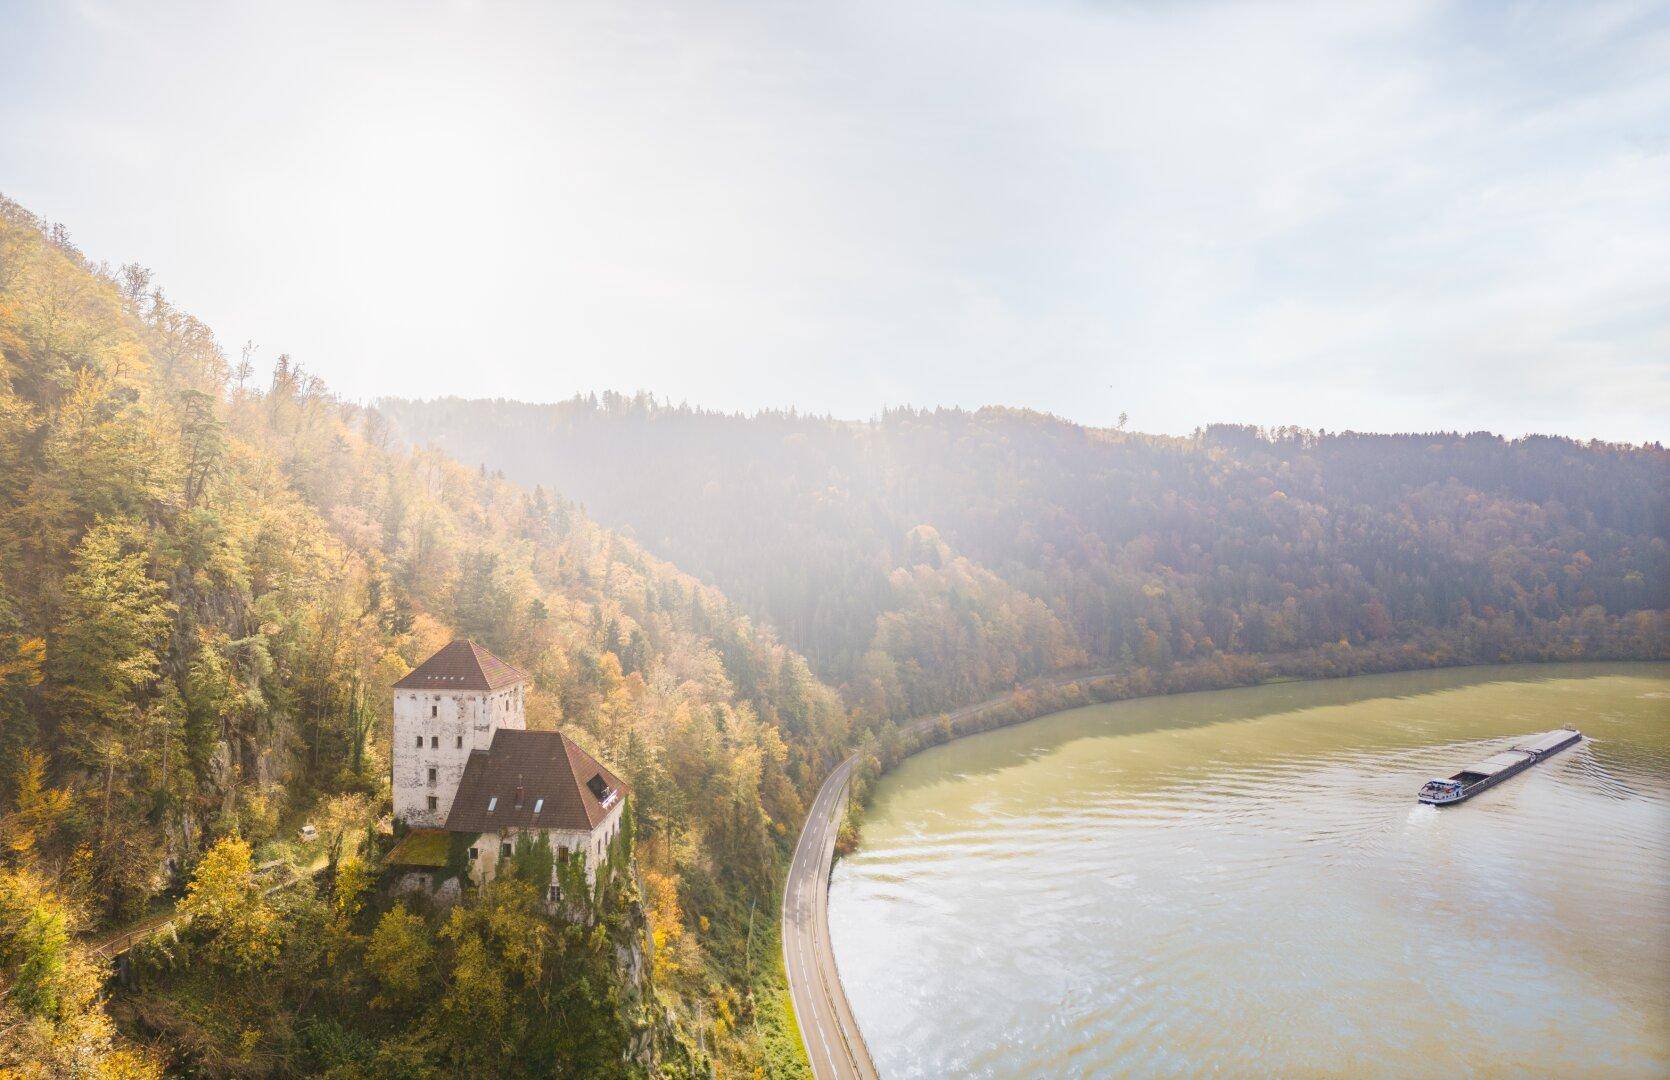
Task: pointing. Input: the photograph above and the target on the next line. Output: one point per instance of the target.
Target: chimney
(518, 796)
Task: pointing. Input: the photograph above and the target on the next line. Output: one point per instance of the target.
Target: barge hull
(1494, 769)
(1489, 782)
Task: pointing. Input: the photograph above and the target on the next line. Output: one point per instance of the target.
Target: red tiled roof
(462, 665)
(553, 773)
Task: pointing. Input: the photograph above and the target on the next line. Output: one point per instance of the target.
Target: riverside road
(833, 1042)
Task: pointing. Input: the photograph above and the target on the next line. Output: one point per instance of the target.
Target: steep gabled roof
(461, 665)
(555, 775)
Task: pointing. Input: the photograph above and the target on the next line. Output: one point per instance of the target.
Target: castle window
(434, 742)
(460, 742)
(434, 710)
(434, 803)
(431, 776)
(504, 849)
(420, 742)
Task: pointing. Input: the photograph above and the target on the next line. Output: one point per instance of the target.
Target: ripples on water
(1243, 882)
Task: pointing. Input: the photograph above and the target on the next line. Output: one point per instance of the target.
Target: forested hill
(928, 557)
(206, 590)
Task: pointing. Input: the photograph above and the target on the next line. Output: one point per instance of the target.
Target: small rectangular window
(420, 742)
(551, 893)
(460, 742)
(434, 710)
(431, 776)
(434, 742)
(434, 803)
(474, 854)
(504, 848)
(491, 803)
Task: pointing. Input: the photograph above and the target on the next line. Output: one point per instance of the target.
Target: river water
(1242, 882)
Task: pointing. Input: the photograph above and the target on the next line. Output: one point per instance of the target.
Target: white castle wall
(484, 864)
(449, 724)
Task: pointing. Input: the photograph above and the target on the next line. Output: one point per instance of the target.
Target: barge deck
(1497, 768)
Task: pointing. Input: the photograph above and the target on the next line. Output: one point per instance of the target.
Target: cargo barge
(1497, 768)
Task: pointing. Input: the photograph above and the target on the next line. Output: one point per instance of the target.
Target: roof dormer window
(600, 790)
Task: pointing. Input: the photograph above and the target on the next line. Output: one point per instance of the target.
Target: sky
(1399, 216)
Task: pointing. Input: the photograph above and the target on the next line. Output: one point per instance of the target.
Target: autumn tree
(104, 655)
(400, 957)
(52, 1022)
(228, 912)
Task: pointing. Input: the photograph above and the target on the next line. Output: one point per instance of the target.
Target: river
(1242, 882)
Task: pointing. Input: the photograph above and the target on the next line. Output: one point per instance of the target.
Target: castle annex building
(464, 763)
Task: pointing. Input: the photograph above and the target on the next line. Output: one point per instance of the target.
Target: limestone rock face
(657, 1044)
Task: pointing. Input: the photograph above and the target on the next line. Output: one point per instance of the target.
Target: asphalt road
(834, 1044)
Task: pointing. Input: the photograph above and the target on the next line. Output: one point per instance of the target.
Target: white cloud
(1344, 215)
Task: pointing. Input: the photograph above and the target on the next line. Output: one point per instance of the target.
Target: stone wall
(436, 730)
(489, 849)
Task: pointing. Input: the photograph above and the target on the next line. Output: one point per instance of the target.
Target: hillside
(927, 558)
(208, 590)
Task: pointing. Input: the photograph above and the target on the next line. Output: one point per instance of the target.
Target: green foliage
(112, 622)
(532, 861)
(51, 1019)
(34, 945)
(458, 856)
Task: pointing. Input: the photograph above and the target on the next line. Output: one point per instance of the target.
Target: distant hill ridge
(927, 557)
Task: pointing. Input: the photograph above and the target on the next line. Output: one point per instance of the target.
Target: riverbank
(1182, 884)
(819, 990)
(1103, 686)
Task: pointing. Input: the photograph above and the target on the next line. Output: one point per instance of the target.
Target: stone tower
(449, 705)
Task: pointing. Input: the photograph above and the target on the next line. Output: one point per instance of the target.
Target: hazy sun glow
(1387, 216)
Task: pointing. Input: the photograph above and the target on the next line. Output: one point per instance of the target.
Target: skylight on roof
(491, 803)
(537, 804)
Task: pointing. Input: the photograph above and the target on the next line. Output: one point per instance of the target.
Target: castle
(464, 765)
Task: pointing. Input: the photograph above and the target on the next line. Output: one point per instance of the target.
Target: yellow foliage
(661, 898)
(52, 1023)
(24, 665)
(39, 808)
(399, 956)
(226, 908)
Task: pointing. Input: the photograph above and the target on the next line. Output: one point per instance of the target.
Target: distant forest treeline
(928, 558)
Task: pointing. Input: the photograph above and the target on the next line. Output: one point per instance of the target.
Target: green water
(1242, 882)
